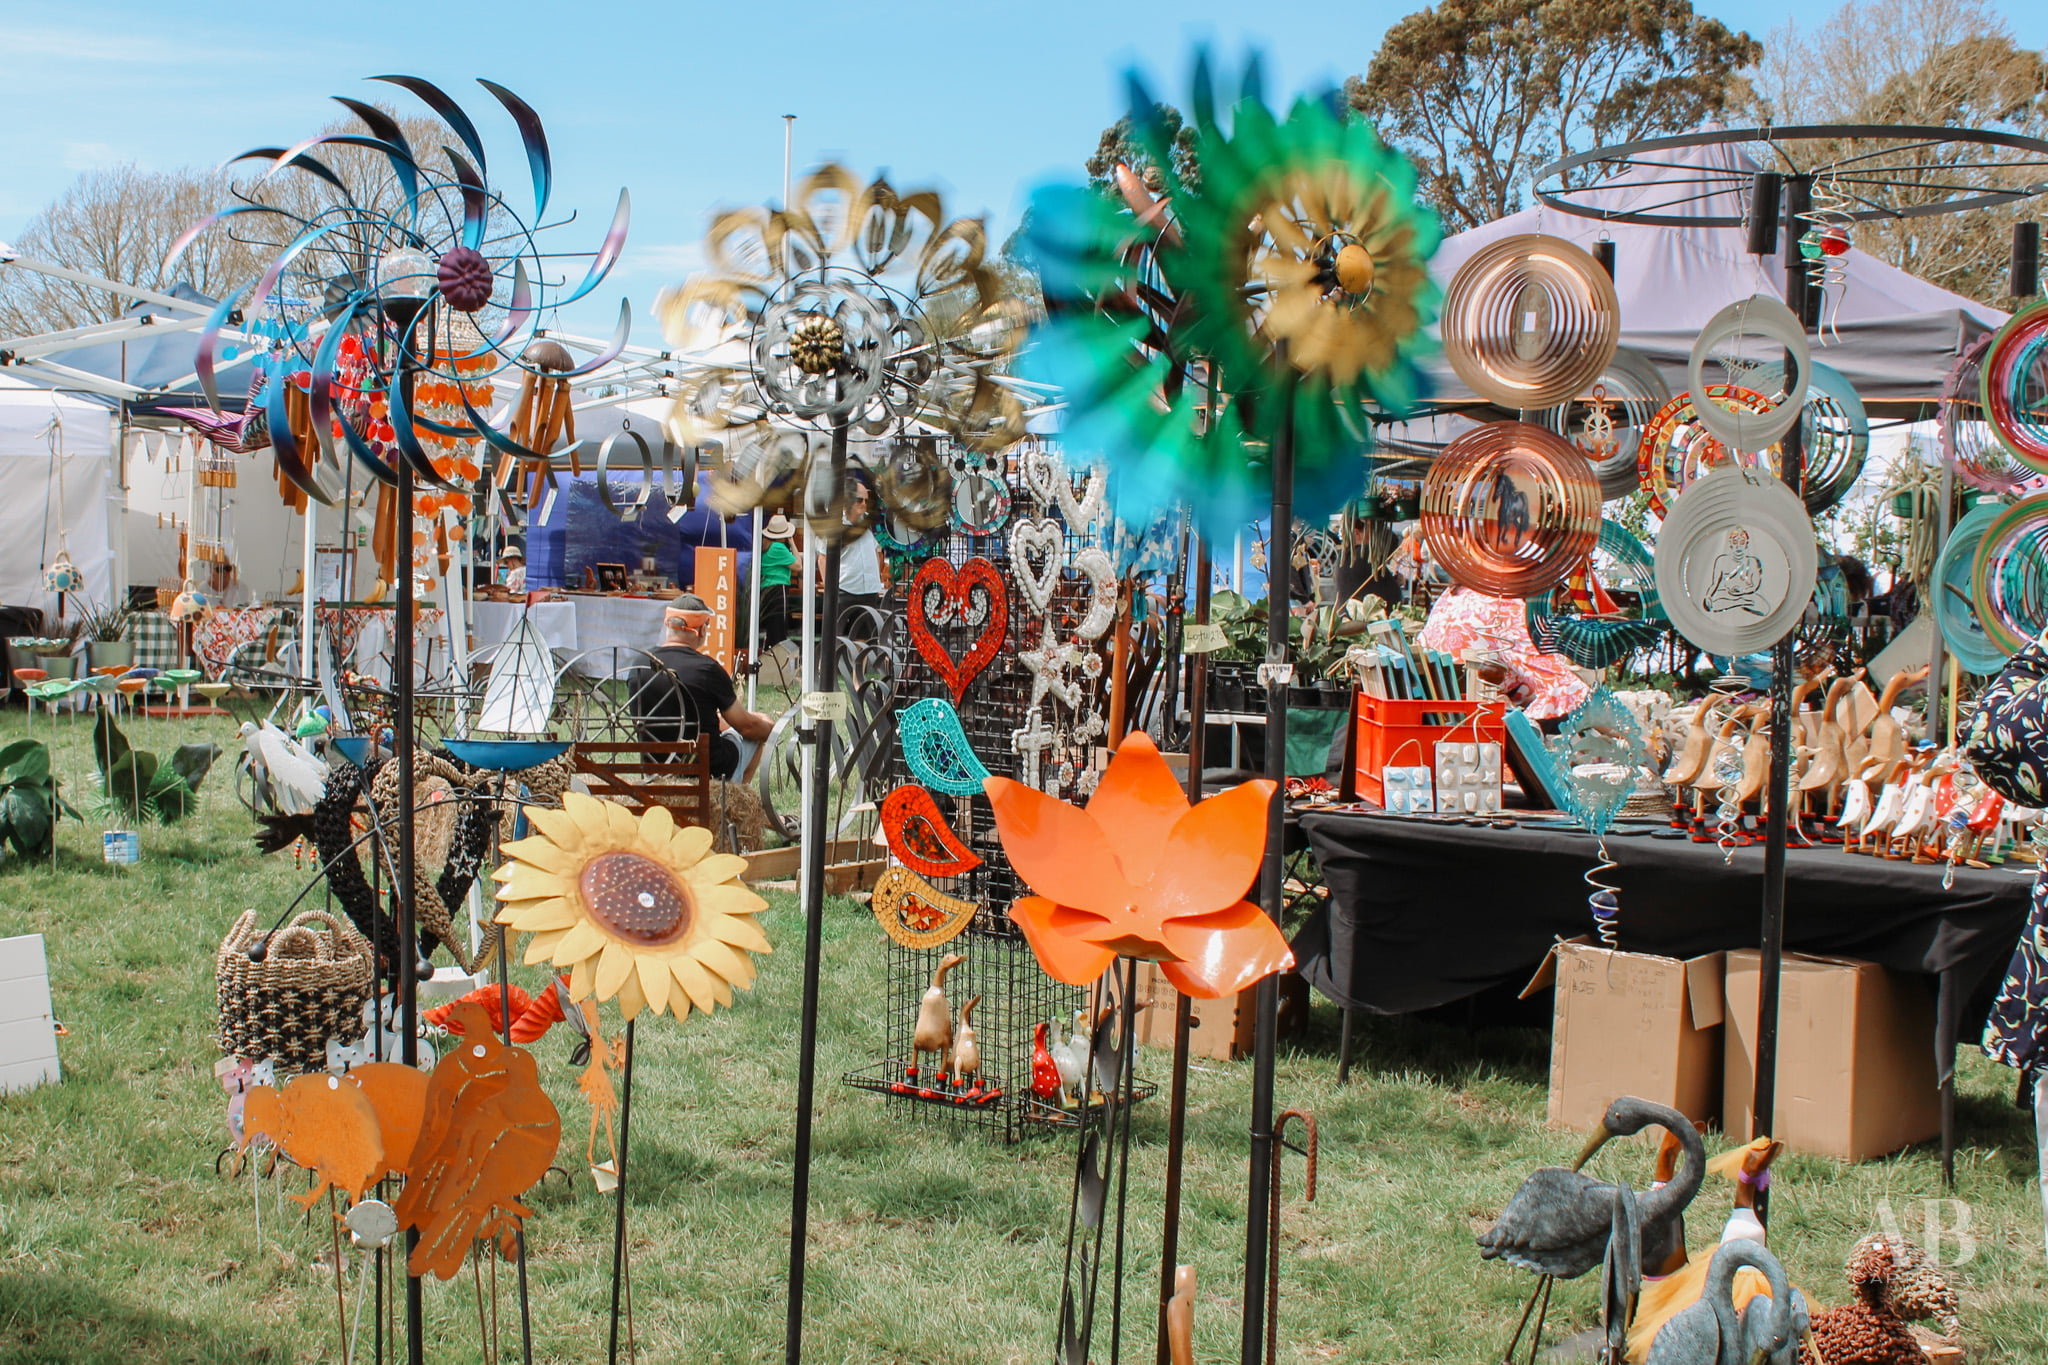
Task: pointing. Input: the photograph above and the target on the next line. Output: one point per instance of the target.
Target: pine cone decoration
(465, 279)
(1916, 1290)
(1866, 1332)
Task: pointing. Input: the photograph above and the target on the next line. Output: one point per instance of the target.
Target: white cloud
(86, 156)
(676, 259)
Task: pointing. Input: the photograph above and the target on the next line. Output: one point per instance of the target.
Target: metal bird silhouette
(489, 1135)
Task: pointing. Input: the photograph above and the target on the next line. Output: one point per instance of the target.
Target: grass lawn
(119, 1243)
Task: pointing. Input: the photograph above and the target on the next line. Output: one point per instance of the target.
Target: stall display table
(360, 634)
(606, 632)
(1424, 912)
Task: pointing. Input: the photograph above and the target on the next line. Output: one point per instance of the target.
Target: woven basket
(311, 986)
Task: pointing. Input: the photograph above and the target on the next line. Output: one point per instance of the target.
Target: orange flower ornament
(1141, 873)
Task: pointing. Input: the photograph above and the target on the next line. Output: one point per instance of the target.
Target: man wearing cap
(694, 685)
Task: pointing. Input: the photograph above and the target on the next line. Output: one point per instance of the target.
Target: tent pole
(754, 614)
(310, 526)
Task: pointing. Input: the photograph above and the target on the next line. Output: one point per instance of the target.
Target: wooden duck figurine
(1689, 762)
(1180, 1317)
(966, 1048)
(934, 1031)
(1884, 738)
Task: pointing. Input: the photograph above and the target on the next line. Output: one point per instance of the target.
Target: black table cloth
(1422, 913)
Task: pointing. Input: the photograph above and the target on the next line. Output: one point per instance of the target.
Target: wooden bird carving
(966, 1047)
(324, 1123)
(489, 1135)
(934, 1031)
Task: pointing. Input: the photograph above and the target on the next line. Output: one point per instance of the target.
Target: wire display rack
(1015, 996)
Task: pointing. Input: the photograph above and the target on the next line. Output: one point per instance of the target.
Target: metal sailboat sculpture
(521, 692)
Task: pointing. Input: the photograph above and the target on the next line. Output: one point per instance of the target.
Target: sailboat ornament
(521, 692)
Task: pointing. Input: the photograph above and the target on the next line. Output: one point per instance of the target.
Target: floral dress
(1463, 619)
(2007, 743)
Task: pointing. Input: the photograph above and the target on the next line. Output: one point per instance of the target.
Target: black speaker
(1763, 213)
(1603, 252)
(2026, 259)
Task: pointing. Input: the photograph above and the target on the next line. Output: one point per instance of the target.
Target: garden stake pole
(619, 1217)
(1279, 565)
(1771, 964)
(408, 931)
(505, 1009)
(1183, 1008)
(816, 841)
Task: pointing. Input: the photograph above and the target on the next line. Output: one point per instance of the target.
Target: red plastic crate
(1397, 733)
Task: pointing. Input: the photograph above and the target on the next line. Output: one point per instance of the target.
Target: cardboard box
(1855, 1056)
(1632, 1024)
(28, 1028)
(1222, 1029)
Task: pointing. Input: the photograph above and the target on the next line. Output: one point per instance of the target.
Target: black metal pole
(815, 847)
(402, 748)
(1763, 1101)
(619, 1210)
(1279, 571)
(1183, 1008)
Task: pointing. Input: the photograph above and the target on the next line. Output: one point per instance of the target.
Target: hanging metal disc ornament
(1836, 430)
(2014, 385)
(1736, 561)
(1955, 605)
(1968, 441)
(1530, 321)
(1606, 421)
(1510, 509)
(1676, 447)
(1758, 317)
(2009, 579)
(915, 484)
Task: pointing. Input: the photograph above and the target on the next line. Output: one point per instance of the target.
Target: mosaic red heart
(955, 592)
(920, 837)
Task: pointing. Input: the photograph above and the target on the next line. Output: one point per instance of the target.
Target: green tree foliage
(1117, 145)
(1481, 93)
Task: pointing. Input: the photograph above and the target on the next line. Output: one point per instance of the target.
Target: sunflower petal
(654, 981)
(582, 977)
(621, 826)
(728, 898)
(694, 981)
(739, 931)
(545, 854)
(614, 965)
(525, 882)
(541, 947)
(726, 961)
(688, 844)
(631, 998)
(716, 868)
(558, 826)
(588, 814)
(532, 916)
(653, 832)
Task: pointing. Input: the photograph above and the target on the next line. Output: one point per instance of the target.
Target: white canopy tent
(1898, 334)
(59, 492)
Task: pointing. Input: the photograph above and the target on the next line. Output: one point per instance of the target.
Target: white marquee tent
(58, 493)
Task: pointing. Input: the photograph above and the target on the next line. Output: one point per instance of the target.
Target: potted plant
(105, 629)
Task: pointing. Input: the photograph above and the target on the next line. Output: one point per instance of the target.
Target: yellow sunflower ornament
(633, 907)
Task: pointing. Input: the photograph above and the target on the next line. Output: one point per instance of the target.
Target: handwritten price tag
(1202, 638)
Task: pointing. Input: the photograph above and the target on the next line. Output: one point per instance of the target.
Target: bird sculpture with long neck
(1561, 1223)
(967, 1048)
(934, 1031)
(1711, 1333)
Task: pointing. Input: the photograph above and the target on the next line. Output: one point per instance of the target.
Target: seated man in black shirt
(695, 695)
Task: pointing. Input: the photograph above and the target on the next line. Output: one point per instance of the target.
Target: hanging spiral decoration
(1824, 246)
(2013, 383)
(1968, 441)
(1836, 428)
(1510, 509)
(1605, 900)
(1728, 813)
(1530, 321)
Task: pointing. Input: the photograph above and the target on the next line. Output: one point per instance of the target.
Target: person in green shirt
(778, 567)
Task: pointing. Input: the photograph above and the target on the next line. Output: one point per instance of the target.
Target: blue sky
(679, 102)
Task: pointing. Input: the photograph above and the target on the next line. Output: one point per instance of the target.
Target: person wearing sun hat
(513, 563)
(778, 568)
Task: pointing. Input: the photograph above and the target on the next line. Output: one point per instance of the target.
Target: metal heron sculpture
(1562, 1223)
